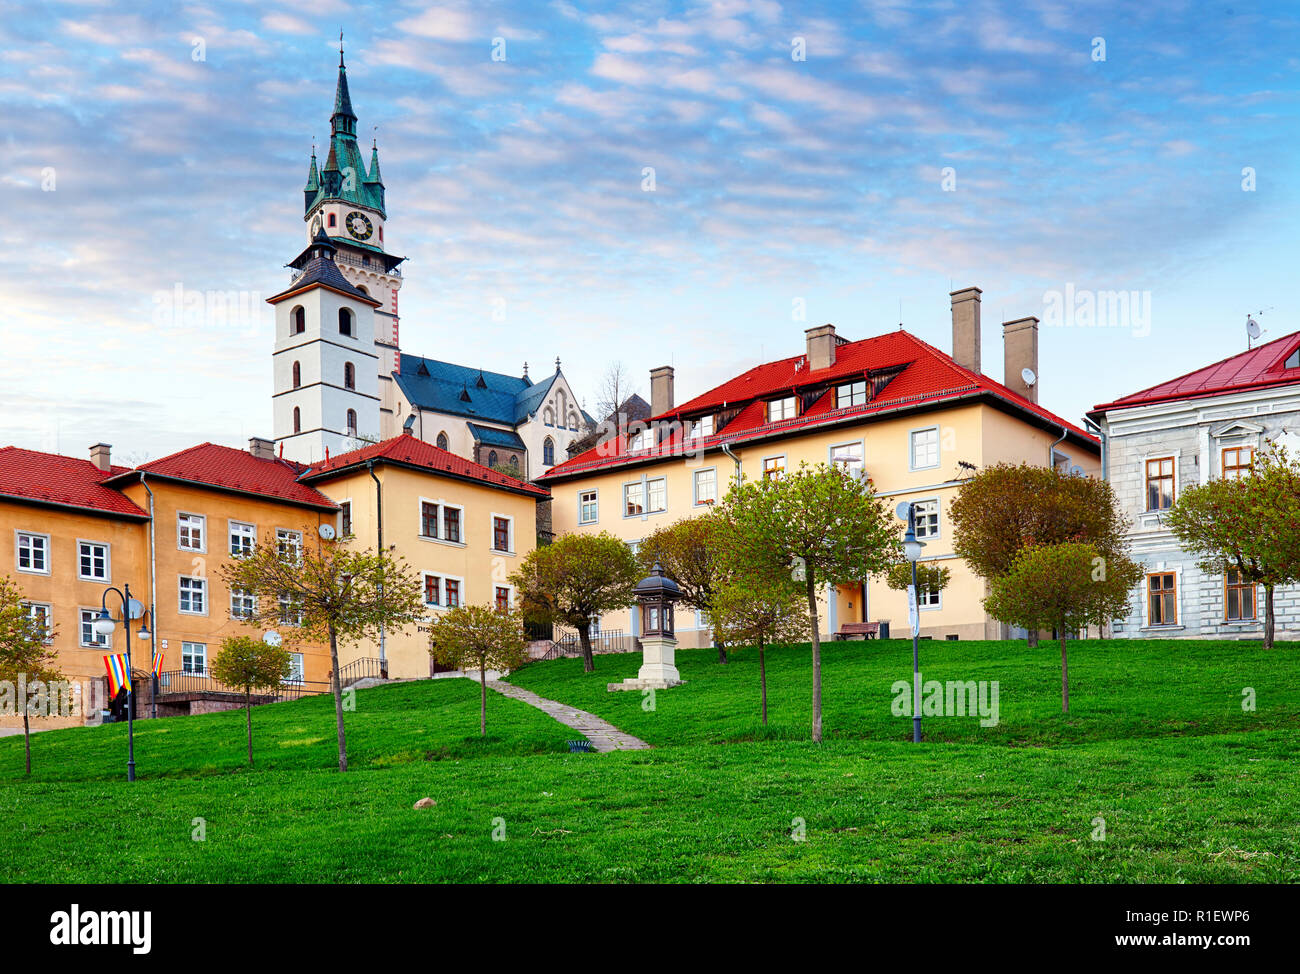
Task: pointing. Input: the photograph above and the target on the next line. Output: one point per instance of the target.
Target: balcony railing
(175, 682)
(370, 264)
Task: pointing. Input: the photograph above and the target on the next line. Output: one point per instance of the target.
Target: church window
(548, 416)
(442, 441)
(514, 462)
(297, 420)
(333, 220)
(548, 452)
(299, 317)
(345, 321)
(362, 287)
(349, 376)
(352, 422)
(297, 374)
(492, 458)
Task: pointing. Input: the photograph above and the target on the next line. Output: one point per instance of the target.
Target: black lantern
(657, 593)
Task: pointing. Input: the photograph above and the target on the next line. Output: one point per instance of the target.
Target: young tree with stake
(687, 551)
(25, 652)
(251, 664)
(748, 612)
(483, 637)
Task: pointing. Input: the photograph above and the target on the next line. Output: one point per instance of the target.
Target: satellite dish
(1028, 377)
(272, 638)
(1076, 471)
(1252, 327)
(902, 510)
(326, 531)
(136, 609)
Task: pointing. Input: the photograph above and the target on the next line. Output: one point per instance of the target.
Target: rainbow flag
(157, 664)
(118, 675)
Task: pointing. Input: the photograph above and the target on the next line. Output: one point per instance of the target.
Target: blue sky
(515, 188)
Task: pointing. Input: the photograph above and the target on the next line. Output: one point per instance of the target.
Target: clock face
(359, 225)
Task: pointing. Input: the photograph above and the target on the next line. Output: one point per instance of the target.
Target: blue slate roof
(489, 436)
(461, 390)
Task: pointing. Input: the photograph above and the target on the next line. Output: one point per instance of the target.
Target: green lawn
(1191, 788)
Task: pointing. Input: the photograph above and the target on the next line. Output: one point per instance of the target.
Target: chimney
(966, 327)
(1020, 348)
(661, 390)
(99, 456)
(261, 448)
(821, 347)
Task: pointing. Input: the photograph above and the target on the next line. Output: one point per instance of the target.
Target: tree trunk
(1032, 639)
(762, 681)
(816, 656)
(1065, 679)
(584, 637)
(248, 712)
(338, 698)
(1268, 617)
(27, 738)
(722, 652)
(482, 700)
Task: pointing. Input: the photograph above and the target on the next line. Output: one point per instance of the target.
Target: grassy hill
(1190, 787)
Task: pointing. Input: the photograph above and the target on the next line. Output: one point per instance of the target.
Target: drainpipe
(726, 448)
(1051, 450)
(379, 517)
(153, 590)
(1094, 427)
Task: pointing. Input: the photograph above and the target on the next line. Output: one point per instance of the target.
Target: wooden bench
(859, 630)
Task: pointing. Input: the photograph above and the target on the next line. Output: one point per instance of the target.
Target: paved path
(603, 735)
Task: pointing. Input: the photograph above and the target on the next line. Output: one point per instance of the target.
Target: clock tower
(344, 202)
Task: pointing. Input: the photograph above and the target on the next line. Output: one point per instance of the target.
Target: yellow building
(463, 528)
(892, 408)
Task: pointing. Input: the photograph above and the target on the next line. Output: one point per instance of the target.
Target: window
(1162, 599)
(33, 553)
(442, 441)
(588, 507)
(299, 321)
(297, 374)
(345, 518)
(352, 422)
(1237, 461)
(773, 468)
(703, 427)
(288, 543)
(849, 457)
(925, 448)
(926, 514)
(514, 462)
(450, 524)
(926, 599)
(295, 668)
(1160, 484)
(706, 486)
(349, 376)
(786, 408)
(492, 458)
(503, 599)
(1238, 598)
(290, 611)
(242, 538)
(297, 420)
(194, 658)
(639, 440)
(452, 588)
(333, 218)
(190, 529)
(42, 613)
(428, 520)
(345, 322)
(431, 593)
(852, 394)
(243, 604)
(501, 531)
(92, 561)
(658, 488)
(193, 596)
(88, 635)
(1293, 360)
(633, 499)
(548, 452)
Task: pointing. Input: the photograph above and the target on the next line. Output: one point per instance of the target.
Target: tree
(819, 526)
(1006, 508)
(574, 580)
(26, 655)
(687, 551)
(1066, 587)
(340, 596)
(615, 388)
(486, 637)
(929, 576)
(746, 612)
(1250, 525)
(253, 665)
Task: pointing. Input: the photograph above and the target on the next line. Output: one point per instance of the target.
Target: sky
(648, 183)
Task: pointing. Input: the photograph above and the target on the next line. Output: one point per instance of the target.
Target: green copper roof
(313, 178)
(344, 176)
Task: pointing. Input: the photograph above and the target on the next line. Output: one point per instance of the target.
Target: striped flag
(118, 675)
(157, 664)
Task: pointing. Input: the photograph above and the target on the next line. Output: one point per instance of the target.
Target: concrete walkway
(603, 735)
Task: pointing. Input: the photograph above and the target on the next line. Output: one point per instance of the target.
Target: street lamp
(912, 551)
(104, 626)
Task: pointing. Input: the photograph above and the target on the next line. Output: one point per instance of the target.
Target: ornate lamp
(656, 594)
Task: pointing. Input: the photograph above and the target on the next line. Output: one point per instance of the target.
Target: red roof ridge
(436, 460)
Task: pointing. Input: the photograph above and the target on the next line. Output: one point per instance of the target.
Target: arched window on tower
(548, 452)
(492, 458)
(349, 376)
(352, 422)
(442, 441)
(298, 317)
(297, 420)
(345, 321)
(363, 289)
(333, 219)
(297, 374)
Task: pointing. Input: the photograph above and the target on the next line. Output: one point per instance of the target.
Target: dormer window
(786, 408)
(639, 441)
(703, 427)
(1293, 362)
(851, 394)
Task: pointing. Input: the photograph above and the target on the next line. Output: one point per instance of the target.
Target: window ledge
(449, 544)
(1161, 628)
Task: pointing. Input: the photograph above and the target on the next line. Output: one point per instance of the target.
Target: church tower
(343, 202)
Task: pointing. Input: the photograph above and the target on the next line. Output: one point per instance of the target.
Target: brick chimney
(821, 347)
(966, 327)
(261, 448)
(100, 456)
(661, 390)
(1020, 350)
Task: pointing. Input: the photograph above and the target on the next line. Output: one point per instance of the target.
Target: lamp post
(104, 625)
(912, 550)
(144, 635)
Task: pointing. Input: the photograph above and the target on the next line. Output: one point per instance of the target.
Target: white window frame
(419, 519)
(86, 617)
(202, 520)
(852, 394)
(107, 577)
(297, 666)
(424, 588)
(180, 590)
(510, 594)
(787, 406)
(283, 535)
(187, 649)
(235, 594)
(460, 593)
(695, 486)
(45, 551)
(655, 480)
(510, 534)
(47, 610)
(928, 606)
(861, 462)
(595, 501)
(251, 534)
(641, 486)
(912, 465)
(286, 602)
(938, 522)
(702, 427)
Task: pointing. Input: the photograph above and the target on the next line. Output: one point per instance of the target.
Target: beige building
(913, 419)
(462, 527)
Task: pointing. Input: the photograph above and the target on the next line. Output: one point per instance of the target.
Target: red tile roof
(411, 451)
(1259, 368)
(230, 469)
(909, 373)
(48, 478)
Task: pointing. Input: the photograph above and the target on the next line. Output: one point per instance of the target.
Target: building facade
(1190, 430)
